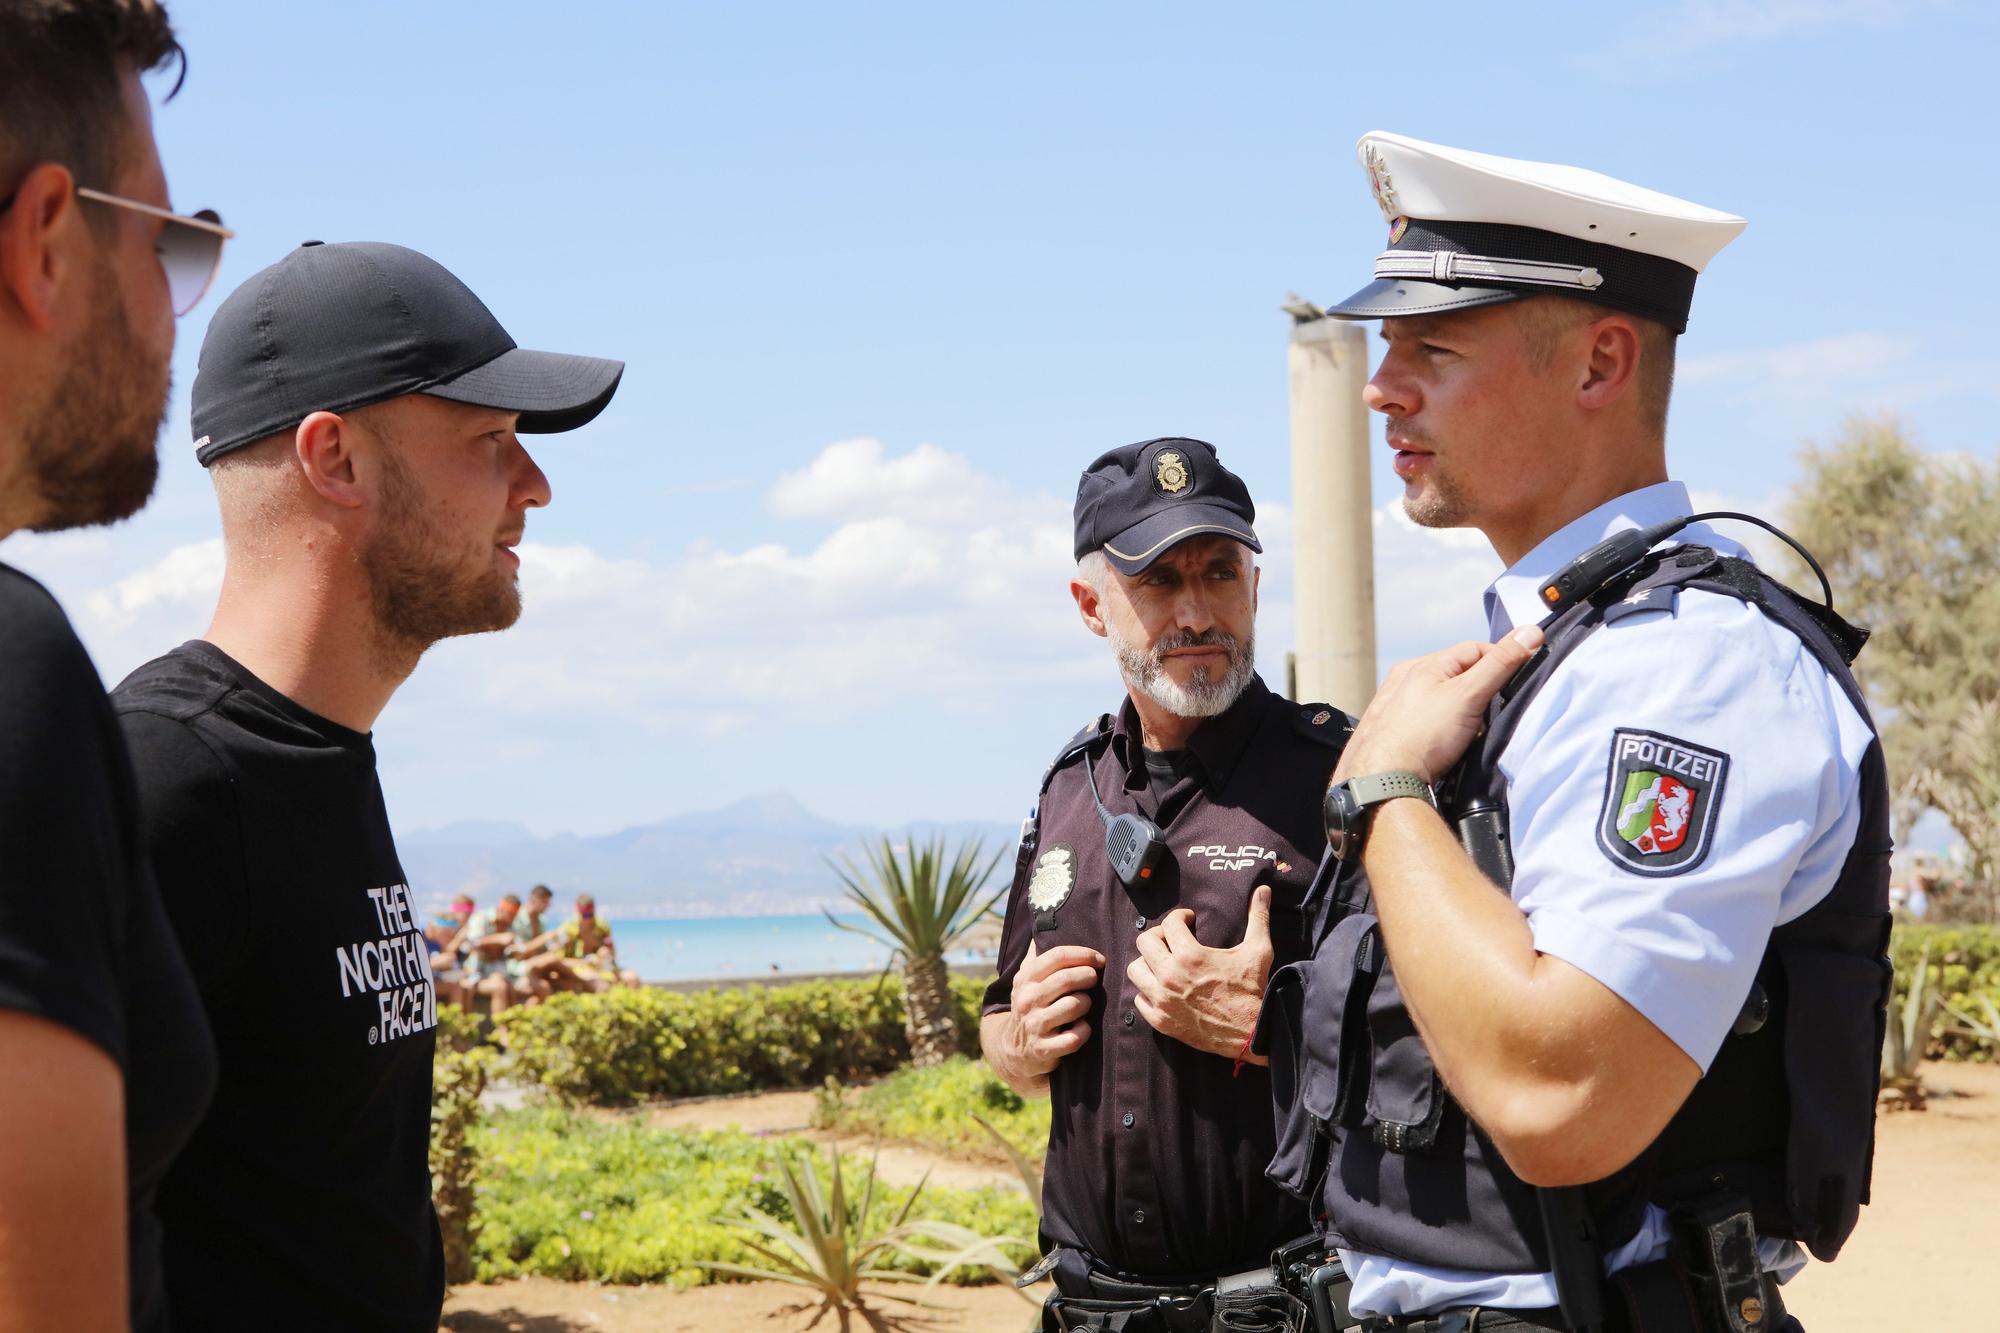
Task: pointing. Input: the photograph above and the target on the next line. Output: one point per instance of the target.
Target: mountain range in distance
(762, 856)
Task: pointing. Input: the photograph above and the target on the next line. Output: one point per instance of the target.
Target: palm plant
(921, 907)
(1908, 1035)
(830, 1247)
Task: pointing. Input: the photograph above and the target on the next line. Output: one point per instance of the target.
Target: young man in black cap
(360, 413)
(105, 1058)
(1134, 957)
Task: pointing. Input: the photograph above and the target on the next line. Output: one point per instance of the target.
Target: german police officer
(1651, 1052)
(1157, 883)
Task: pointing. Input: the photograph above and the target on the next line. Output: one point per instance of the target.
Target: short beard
(1440, 504)
(1203, 696)
(417, 592)
(92, 447)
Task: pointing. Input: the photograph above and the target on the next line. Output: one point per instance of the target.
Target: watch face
(1343, 823)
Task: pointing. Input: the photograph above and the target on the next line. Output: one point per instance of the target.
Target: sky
(886, 277)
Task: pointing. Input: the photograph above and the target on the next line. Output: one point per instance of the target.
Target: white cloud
(1690, 29)
(189, 574)
(1800, 383)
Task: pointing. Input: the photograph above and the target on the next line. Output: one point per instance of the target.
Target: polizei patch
(1660, 799)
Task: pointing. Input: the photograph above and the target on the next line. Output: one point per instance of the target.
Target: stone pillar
(1333, 538)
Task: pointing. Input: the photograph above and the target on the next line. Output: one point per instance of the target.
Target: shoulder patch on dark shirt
(1323, 723)
(1664, 597)
(1660, 799)
(1076, 745)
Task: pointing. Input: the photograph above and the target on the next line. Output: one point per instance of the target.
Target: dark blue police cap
(1137, 502)
(329, 328)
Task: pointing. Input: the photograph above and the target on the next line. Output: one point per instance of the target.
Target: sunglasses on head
(189, 248)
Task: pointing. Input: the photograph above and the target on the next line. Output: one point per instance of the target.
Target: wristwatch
(1349, 805)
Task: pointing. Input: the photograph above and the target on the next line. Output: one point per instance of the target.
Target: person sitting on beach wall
(442, 934)
(106, 1056)
(359, 410)
(587, 949)
(492, 966)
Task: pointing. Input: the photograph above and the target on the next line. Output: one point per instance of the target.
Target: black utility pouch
(1257, 1310)
(1717, 1242)
(1657, 1298)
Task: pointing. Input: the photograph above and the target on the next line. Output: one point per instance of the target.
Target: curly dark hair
(61, 62)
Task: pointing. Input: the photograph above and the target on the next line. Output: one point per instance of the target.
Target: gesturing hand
(1049, 1001)
(1429, 708)
(1206, 998)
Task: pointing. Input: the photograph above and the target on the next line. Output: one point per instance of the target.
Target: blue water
(746, 947)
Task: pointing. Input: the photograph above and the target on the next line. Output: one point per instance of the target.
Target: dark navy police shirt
(1156, 1150)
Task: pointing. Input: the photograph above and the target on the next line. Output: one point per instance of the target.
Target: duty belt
(1657, 1300)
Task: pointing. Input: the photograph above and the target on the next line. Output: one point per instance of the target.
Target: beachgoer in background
(592, 957)
(359, 411)
(107, 1057)
(490, 967)
(446, 926)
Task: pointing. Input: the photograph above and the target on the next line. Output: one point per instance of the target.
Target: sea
(747, 948)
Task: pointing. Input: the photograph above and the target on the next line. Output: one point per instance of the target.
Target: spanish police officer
(1651, 1052)
(1158, 881)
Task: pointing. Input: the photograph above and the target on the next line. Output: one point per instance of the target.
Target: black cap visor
(1388, 298)
(552, 391)
(1135, 549)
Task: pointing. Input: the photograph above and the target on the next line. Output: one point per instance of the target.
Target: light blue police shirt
(1713, 672)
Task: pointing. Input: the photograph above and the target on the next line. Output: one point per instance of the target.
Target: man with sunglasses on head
(106, 1055)
(359, 411)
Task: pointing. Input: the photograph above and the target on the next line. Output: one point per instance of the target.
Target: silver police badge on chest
(1050, 884)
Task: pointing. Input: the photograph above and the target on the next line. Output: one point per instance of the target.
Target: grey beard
(1205, 695)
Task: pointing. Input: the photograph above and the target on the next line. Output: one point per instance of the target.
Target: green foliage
(828, 1245)
(920, 906)
(580, 1197)
(1962, 964)
(1911, 543)
(458, 1077)
(940, 1108)
(623, 1046)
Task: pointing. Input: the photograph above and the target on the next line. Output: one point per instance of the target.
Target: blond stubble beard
(417, 593)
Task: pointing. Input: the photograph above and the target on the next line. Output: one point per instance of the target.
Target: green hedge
(1964, 962)
(627, 1045)
(934, 1107)
(567, 1195)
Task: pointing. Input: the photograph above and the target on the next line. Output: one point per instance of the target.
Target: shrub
(572, 1196)
(935, 1108)
(458, 1077)
(622, 1046)
(1964, 965)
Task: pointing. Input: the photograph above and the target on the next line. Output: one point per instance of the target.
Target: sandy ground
(1913, 1259)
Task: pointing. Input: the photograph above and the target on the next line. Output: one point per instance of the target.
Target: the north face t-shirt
(304, 1197)
(83, 941)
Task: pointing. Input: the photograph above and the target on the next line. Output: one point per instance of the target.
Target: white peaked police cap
(1470, 229)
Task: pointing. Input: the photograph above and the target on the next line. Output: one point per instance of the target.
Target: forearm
(1000, 1042)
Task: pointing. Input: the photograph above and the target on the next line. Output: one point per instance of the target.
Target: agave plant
(1908, 1036)
(921, 907)
(830, 1247)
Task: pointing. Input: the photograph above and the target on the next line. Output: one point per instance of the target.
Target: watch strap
(1375, 788)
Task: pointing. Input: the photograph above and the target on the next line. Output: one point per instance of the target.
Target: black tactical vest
(1785, 1115)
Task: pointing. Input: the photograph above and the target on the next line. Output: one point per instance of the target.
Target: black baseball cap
(329, 328)
(1137, 502)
